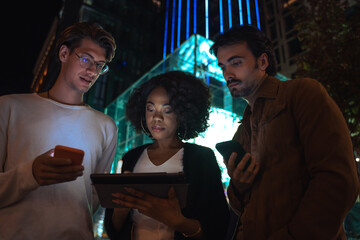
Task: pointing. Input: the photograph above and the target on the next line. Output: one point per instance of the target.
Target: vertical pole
(173, 26)
(179, 24)
(194, 16)
(248, 11)
(187, 18)
(241, 17)
(195, 55)
(229, 13)
(257, 14)
(221, 16)
(166, 28)
(207, 19)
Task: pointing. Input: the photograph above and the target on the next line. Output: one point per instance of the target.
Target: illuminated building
(192, 56)
(205, 17)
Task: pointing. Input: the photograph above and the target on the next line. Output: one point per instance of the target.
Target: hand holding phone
(76, 155)
(46, 169)
(228, 147)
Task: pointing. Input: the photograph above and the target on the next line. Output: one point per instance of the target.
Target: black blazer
(205, 202)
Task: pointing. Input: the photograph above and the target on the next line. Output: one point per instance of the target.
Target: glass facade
(192, 56)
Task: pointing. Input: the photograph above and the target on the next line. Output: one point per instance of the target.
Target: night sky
(23, 32)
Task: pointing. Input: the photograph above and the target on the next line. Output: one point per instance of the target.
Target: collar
(269, 88)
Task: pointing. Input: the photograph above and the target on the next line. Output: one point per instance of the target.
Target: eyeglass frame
(104, 68)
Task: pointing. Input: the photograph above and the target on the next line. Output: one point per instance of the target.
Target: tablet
(157, 184)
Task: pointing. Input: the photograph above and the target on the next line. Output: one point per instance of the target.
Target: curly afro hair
(190, 100)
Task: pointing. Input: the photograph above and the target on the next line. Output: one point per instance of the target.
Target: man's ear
(263, 61)
(64, 52)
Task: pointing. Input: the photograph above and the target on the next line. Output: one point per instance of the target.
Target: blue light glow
(194, 16)
(221, 16)
(245, 17)
(166, 28)
(241, 13)
(207, 18)
(230, 14)
(221, 119)
(187, 18)
(179, 24)
(173, 27)
(257, 14)
(248, 11)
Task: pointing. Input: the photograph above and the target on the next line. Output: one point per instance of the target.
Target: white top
(30, 126)
(146, 228)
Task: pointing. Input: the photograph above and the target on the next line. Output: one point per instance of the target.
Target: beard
(235, 93)
(246, 88)
(243, 91)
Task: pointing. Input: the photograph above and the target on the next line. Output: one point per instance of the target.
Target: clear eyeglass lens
(87, 63)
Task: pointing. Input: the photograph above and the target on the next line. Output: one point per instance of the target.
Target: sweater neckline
(61, 104)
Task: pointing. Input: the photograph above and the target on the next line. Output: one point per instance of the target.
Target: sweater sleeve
(330, 163)
(17, 182)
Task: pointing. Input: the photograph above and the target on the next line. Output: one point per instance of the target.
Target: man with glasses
(42, 196)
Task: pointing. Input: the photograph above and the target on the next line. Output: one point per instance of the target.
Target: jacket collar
(269, 88)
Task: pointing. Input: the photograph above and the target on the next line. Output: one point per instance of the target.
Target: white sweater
(30, 126)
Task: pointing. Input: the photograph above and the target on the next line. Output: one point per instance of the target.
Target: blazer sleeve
(124, 234)
(206, 201)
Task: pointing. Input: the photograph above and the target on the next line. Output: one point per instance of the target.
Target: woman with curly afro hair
(170, 108)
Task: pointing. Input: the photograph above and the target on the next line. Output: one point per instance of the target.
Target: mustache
(233, 81)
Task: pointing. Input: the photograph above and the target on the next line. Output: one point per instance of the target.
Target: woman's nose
(158, 115)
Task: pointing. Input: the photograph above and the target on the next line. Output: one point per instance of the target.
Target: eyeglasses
(87, 62)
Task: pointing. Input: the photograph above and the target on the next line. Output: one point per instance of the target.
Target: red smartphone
(76, 155)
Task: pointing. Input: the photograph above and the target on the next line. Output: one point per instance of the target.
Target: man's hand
(49, 170)
(242, 180)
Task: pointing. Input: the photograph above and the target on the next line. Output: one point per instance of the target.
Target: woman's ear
(263, 61)
(64, 52)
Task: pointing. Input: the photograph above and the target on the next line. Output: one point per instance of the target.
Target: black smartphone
(228, 147)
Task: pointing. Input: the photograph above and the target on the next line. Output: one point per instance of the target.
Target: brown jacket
(307, 180)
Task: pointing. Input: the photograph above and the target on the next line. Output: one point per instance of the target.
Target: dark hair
(189, 98)
(72, 36)
(256, 40)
